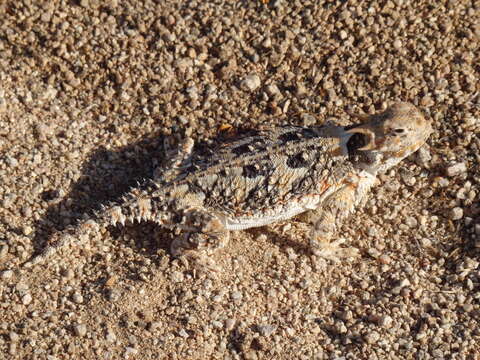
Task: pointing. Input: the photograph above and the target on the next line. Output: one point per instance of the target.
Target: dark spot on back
(242, 149)
(308, 133)
(250, 171)
(298, 160)
(254, 170)
(289, 136)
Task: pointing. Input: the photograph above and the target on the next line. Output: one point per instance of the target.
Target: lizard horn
(362, 117)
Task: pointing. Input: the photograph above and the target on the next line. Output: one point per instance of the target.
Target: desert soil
(89, 91)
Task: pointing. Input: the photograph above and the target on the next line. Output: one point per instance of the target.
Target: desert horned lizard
(264, 177)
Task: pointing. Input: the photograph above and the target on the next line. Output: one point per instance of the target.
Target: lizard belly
(243, 223)
(273, 215)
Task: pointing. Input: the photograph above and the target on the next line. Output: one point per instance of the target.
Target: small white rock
(250, 82)
(13, 336)
(130, 351)
(177, 276)
(456, 213)
(397, 44)
(80, 330)
(7, 274)
(229, 324)
(456, 169)
(77, 298)
(26, 299)
(3, 103)
(423, 156)
(477, 229)
(372, 337)
(411, 222)
(272, 89)
(111, 337)
(266, 330)
(183, 333)
(385, 321)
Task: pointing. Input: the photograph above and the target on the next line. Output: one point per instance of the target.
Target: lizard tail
(137, 205)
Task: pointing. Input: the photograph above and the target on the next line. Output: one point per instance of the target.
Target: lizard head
(390, 136)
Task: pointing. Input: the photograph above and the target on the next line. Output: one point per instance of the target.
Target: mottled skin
(268, 176)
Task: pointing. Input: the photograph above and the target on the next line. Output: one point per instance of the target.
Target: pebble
(266, 330)
(114, 294)
(3, 251)
(27, 230)
(372, 337)
(183, 333)
(8, 200)
(154, 325)
(42, 131)
(77, 298)
(456, 169)
(385, 321)
(3, 102)
(26, 299)
(13, 336)
(183, 64)
(229, 324)
(411, 222)
(272, 89)
(130, 351)
(456, 213)
(443, 182)
(110, 336)
(7, 274)
(423, 156)
(384, 259)
(177, 276)
(217, 324)
(236, 296)
(397, 44)
(250, 82)
(80, 330)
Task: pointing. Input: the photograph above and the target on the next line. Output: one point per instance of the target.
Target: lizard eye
(399, 131)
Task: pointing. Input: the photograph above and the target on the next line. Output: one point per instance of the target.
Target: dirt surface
(90, 89)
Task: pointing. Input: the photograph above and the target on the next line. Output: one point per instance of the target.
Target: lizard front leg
(203, 233)
(180, 159)
(325, 219)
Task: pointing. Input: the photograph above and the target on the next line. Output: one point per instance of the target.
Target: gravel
(89, 91)
(80, 330)
(456, 169)
(456, 213)
(250, 82)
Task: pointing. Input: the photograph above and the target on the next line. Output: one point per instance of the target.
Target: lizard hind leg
(203, 233)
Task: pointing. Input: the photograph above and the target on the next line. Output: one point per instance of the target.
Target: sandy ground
(89, 90)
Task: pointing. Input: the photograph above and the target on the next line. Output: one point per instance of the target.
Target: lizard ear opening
(362, 139)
